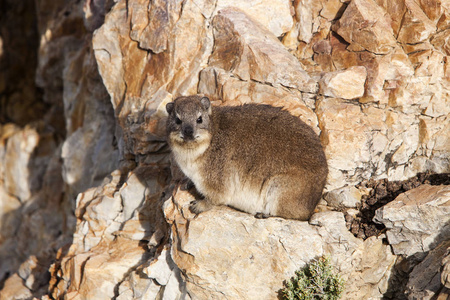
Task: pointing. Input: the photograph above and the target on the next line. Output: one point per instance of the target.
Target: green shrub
(313, 282)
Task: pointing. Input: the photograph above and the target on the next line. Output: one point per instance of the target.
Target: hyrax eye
(178, 120)
(199, 120)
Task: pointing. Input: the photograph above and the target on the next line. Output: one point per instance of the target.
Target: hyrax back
(256, 158)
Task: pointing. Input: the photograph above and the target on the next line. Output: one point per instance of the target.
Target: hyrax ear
(169, 107)
(206, 104)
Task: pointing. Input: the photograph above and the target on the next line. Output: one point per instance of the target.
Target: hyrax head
(189, 120)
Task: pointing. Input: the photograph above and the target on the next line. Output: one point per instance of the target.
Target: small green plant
(313, 282)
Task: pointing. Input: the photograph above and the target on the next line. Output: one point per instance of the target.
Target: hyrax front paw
(186, 184)
(261, 215)
(199, 206)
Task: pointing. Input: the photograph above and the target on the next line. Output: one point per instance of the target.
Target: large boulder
(418, 220)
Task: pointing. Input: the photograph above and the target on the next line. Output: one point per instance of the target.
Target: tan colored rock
(348, 197)
(35, 217)
(313, 22)
(373, 264)
(307, 12)
(404, 135)
(15, 289)
(19, 151)
(428, 64)
(111, 51)
(416, 219)
(118, 230)
(435, 144)
(251, 52)
(434, 8)
(278, 19)
(237, 92)
(211, 246)
(34, 273)
(68, 74)
(441, 41)
(366, 26)
(444, 20)
(367, 142)
(389, 78)
(415, 48)
(345, 137)
(103, 268)
(332, 9)
(150, 79)
(341, 57)
(416, 26)
(136, 288)
(347, 84)
(236, 245)
(108, 53)
(395, 9)
(160, 17)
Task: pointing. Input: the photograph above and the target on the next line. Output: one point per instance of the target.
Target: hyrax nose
(188, 132)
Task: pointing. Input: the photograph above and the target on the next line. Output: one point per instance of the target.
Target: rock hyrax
(256, 158)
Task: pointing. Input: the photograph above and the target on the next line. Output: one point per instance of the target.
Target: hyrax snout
(256, 158)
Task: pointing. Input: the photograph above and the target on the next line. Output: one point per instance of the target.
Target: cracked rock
(213, 246)
(418, 220)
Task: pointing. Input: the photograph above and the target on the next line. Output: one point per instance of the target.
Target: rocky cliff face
(88, 207)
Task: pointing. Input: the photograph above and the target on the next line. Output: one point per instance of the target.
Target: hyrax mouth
(198, 140)
(185, 141)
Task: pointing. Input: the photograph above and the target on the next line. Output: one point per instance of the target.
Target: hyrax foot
(186, 185)
(199, 206)
(261, 216)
